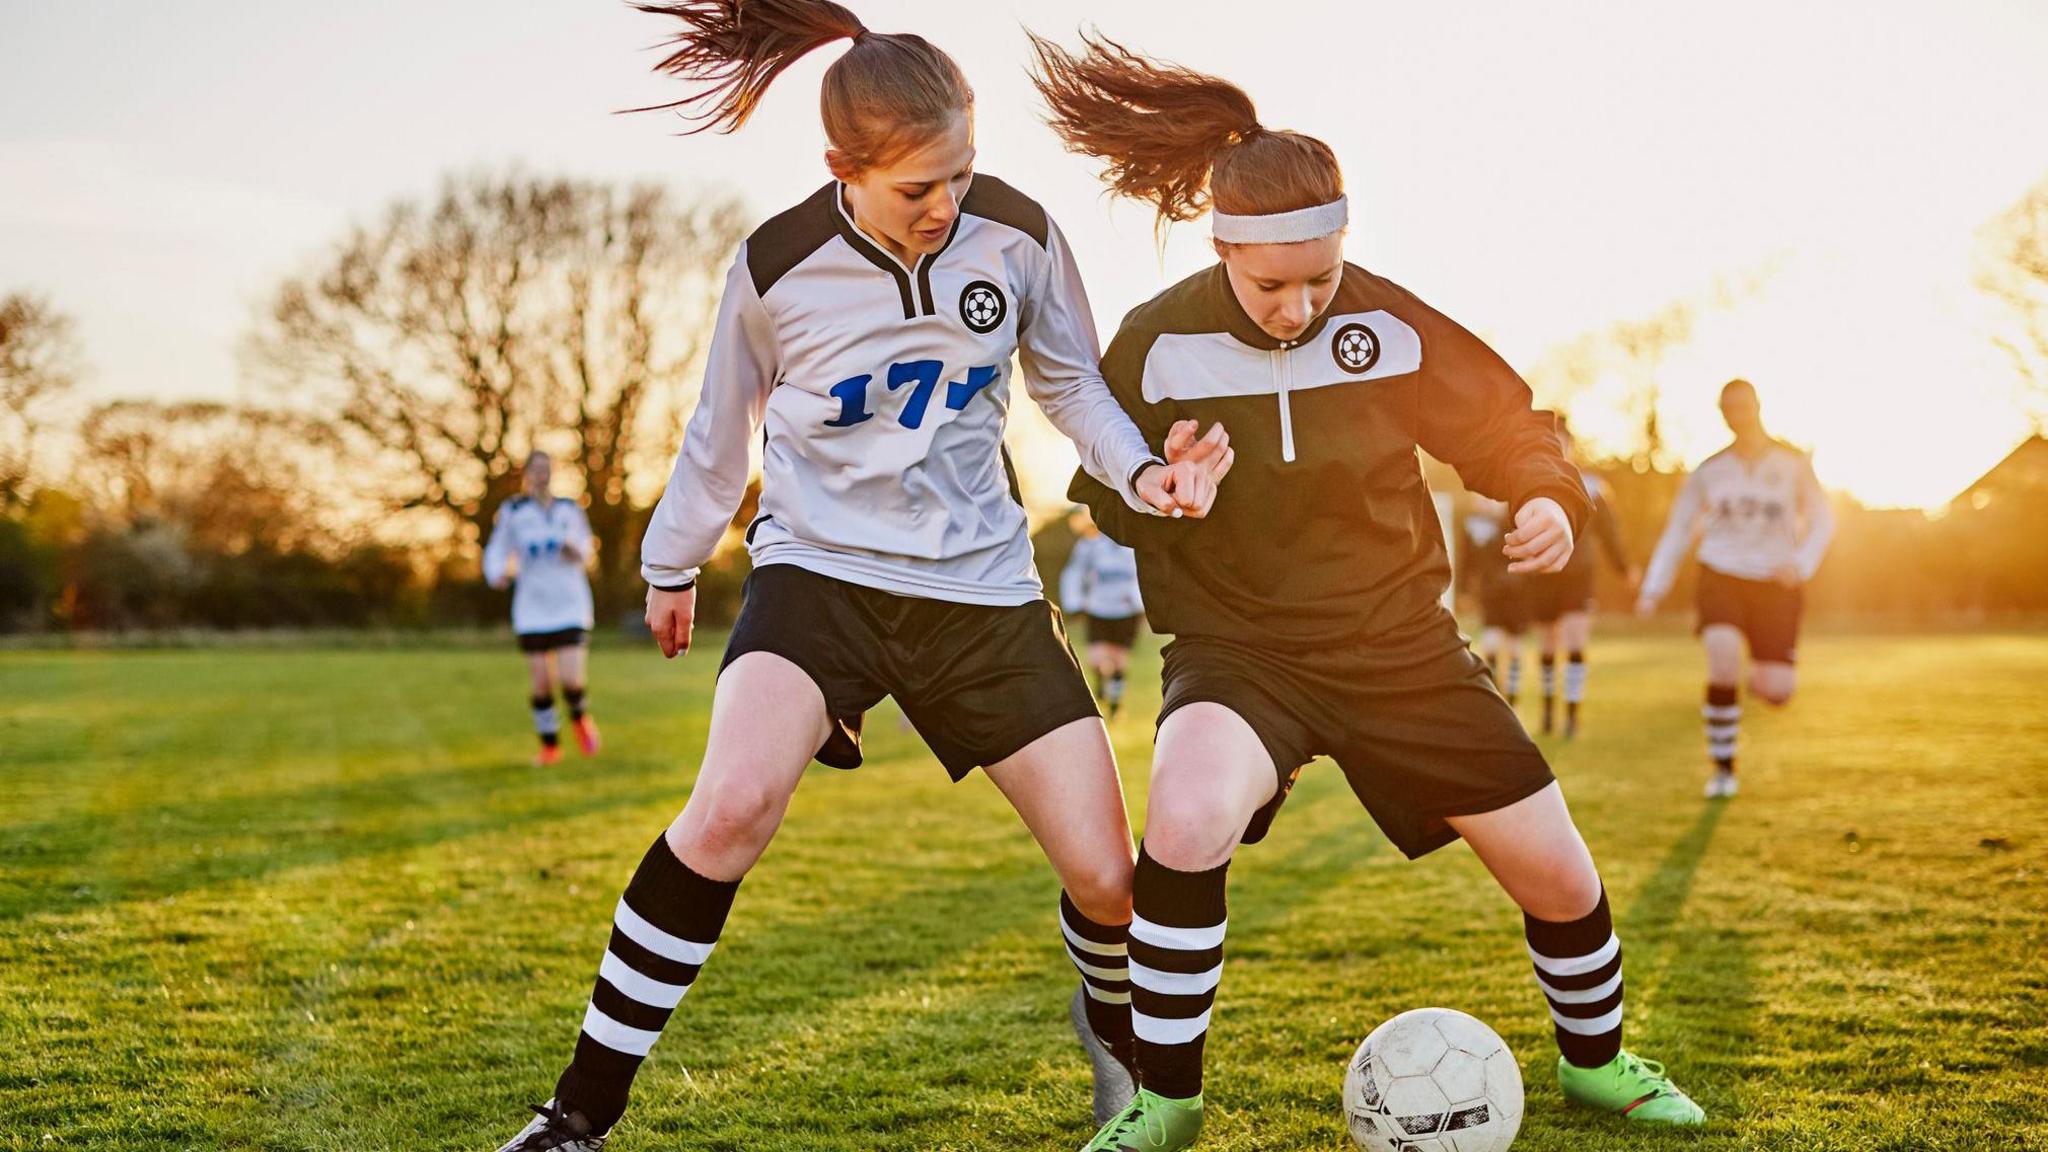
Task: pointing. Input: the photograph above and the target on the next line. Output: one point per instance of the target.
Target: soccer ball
(1433, 1080)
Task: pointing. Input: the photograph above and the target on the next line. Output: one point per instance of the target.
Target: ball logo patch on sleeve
(1356, 348)
(982, 307)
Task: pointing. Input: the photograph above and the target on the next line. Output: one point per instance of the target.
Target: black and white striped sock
(1176, 963)
(546, 721)
(662, 932)
(1514, 685)
(1548, 665)
(1574, 683)
(1102, 953)
(573, 697)
(1723, 715)
(1578, 967)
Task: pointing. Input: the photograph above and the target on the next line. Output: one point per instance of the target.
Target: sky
(1536, 171)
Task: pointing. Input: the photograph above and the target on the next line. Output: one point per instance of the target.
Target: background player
(543, 547)
(1307, 612)
(1101, 580)
(1762, 525)
(1561, 603)
(1502, 594)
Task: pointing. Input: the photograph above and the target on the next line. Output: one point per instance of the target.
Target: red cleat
(549, 754)
(587, 738)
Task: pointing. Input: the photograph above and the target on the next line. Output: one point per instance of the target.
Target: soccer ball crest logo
(982, 306)
(1356, 348)
(1433, 1080)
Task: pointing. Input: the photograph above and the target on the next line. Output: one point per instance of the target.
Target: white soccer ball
(1433, 1080)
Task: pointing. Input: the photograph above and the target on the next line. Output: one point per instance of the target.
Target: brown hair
(889, 91)
(1177, 138)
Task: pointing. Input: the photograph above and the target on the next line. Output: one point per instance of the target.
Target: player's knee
(1191, 828)
(1775, 693)
(739, 820)
(1102, 892)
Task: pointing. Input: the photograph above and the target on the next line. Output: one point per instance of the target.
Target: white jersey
(881, 391)
(1750, 517)
(550, 591)
(1101, 580)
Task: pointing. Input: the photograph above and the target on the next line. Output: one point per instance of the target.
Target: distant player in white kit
(1100, 581)
(542, 546)
(1762, 524)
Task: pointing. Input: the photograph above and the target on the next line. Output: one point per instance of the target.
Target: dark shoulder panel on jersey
(991, 199)
(788, 238)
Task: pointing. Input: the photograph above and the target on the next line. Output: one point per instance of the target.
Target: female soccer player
(1763, 525)
(1561, 603)
(1306, 610)
(864, 339)
(543, 547)
(1100, 580)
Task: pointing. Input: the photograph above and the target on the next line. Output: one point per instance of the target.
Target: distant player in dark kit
(1503, 594)
(542, 546)
(1100, 580)
(1306, 612)
(864, 346)
(1561, 603)
(1762, 526)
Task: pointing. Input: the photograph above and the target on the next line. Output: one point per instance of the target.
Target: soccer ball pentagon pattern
(1433, 1080)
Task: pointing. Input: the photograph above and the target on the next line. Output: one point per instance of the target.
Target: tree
(38, 367)
(2014, 272)
(455, 337)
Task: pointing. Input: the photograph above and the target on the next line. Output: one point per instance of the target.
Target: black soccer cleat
(554, 1130)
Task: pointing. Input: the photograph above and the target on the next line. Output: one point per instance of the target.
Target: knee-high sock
(1102, 953)
(1548, 663)
(1574, 681)
(1723, 715)
(546, 722)
(1176, 964)
(1578, 967)
(663, 931)
(1514, 678)
(573, 697)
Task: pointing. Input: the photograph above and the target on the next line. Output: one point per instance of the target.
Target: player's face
(1740, 409)
(538, 473)
(1284, 287)
(911, 202)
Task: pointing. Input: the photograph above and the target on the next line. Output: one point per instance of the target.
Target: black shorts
(1552, 595)
(1504, 604)
(1121, 631)
(978, 682)
(1415, 724)
(549, 641)
(1767, 612)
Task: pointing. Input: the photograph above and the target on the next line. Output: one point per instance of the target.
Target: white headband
(1282, 227)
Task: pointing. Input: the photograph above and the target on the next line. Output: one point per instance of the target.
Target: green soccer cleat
(1150, 1123)
(1632, 1086)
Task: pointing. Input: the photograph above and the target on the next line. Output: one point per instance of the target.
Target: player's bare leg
(1536, 853)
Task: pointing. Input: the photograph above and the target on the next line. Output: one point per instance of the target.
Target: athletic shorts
(1767, 612)
(1504, 604)
(1118, 630)
(1551, 595)
(978, 682)
(1414, 723)
(549, 641)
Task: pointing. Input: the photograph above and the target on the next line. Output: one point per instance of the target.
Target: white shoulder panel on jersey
(1350, 348)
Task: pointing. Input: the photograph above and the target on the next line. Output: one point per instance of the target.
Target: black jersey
(1324, 532)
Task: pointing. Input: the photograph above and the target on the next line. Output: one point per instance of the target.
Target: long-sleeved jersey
(1101, 580)
(1324, 532)
(1750, 517)
(881, 391)
(550, 591)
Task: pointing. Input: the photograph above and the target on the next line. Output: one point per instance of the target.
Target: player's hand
(1183, 489)
(670, 616)
(1787, 575)
(1212, 449)
(1646, 607)
(499, 584)
(1634, 576)
(1542, 539)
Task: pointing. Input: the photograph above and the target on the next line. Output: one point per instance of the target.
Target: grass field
(318, 900)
